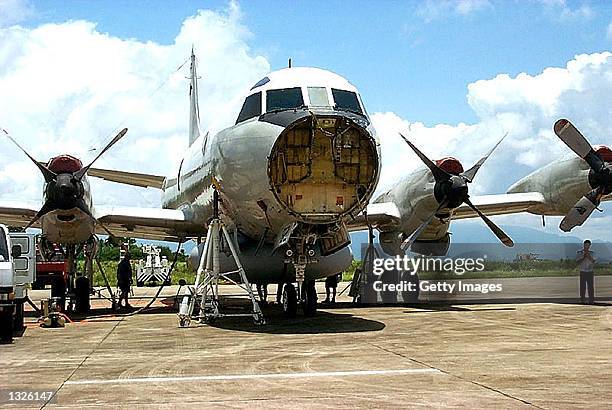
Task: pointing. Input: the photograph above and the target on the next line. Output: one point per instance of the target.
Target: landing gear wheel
(289, 300)
(6, 325)
(184, 322)
(82, 295)
(310, 298)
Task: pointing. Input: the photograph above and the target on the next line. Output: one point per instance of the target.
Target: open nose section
(322, 167)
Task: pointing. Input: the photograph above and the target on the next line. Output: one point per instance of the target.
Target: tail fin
(194, 109)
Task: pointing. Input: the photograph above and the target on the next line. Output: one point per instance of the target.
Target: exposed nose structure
(322, 167)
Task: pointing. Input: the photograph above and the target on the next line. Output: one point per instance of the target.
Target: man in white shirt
(586, 260)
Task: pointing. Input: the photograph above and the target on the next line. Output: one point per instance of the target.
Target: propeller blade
(438, 173)
(570, 135)
(81, 205)
(45, 209)
(47, 173)
(471, 173)
(582, 210)
(408, 242)
(79, 174)
(501, 235)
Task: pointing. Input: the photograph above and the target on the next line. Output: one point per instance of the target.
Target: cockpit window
(346, 100)
(251, 107)
(3, 247)
(284, 99)
(261, 82)
(318, 96)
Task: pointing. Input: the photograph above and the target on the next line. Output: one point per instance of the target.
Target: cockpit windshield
(284, 99)
(346, 100)
(251, 107)
(3, 247)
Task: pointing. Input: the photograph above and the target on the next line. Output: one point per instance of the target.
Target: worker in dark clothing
(586, 259)
(124, 279)
(331, 283)
(262, 291)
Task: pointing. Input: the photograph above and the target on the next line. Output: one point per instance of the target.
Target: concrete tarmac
(452, 356)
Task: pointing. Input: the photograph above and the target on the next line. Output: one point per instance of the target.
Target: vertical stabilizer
(194, 110)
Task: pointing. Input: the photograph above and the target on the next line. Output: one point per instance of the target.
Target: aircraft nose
(323, 166)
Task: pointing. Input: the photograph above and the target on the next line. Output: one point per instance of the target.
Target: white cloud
(561, 11)
(14, 11)
(68, 87)
(430, 10)
(526, 107)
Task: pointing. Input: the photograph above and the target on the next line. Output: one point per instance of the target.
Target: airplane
(65, 217)
(295, 174)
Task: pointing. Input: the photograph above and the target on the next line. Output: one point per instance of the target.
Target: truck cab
(17, 271)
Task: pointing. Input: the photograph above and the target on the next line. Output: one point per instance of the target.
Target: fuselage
(302, 156)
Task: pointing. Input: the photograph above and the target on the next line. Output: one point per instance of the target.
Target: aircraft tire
(6, 325)
(289, 300)
(310, 298)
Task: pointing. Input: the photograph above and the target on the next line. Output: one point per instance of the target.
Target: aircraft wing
(387, 216)
(501, 204)
(128, 178)
(382, 214)
(147, 223)
(18, 213)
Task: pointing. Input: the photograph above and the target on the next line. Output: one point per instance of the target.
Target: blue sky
(413, 58)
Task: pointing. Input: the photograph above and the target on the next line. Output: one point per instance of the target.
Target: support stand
(205, 291)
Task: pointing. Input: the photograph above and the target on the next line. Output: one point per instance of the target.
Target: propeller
(65, 190)
(451, 191)
(600, 176)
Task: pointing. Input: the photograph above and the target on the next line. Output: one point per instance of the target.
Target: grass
(523, 269)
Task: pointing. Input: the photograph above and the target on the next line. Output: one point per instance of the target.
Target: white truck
(17, 271)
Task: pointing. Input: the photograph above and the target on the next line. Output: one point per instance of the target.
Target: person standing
(331, 283)
(586, 260)
(124, 279)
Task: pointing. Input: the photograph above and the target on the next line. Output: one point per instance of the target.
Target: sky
(453, 75)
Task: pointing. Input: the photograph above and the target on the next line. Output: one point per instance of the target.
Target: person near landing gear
(331, 283)
(124, 279)
(586, 259)
(262, 291)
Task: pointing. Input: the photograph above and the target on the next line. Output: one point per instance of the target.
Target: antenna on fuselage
(289, 62)
(194, 108)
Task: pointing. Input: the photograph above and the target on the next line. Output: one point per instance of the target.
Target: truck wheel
(6, 325)
(139, 284)
(289, 300)
(82, 295)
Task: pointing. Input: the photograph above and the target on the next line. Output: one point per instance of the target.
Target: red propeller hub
(63, 164)
(450, 165)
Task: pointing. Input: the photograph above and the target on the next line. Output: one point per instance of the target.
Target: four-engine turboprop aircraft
(295, 174)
